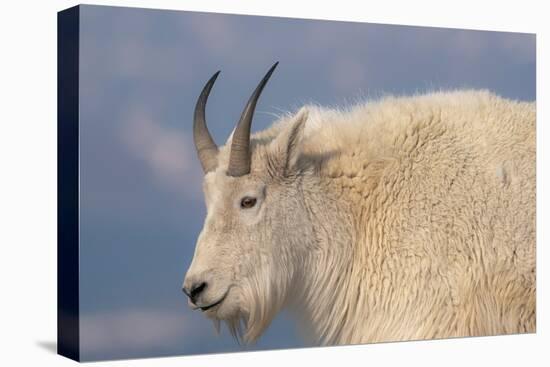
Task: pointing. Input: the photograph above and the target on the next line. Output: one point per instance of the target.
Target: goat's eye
(248, 202)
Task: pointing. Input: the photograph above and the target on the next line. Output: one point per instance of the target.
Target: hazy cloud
(167, 153)
(133, 332)
(214, 33)
(348, 74)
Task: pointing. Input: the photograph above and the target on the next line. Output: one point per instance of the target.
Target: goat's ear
(285, 149)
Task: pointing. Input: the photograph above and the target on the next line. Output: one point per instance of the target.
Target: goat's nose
(194, 290)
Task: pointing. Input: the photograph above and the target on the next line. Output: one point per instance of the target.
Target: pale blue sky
(141, 204)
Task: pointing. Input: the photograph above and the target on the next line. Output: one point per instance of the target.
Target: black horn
(239, 158)
(205, 145)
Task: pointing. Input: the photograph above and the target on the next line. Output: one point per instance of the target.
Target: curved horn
(205, 145)
(239, 158)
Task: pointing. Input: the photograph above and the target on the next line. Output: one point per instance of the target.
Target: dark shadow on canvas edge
(47, 345)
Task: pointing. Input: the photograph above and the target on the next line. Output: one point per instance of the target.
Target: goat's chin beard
(251, 313)
(236, 319)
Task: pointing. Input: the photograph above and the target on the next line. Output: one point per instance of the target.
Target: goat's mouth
(206, 308)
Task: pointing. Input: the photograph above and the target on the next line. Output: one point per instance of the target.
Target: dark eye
(248, 202)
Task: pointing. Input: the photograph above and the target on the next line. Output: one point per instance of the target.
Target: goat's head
(252, 243)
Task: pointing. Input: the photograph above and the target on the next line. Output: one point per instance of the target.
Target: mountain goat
(406, 218)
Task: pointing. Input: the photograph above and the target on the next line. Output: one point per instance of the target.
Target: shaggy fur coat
(436, 236)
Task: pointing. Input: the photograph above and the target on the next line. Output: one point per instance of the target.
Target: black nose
(195, 290)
